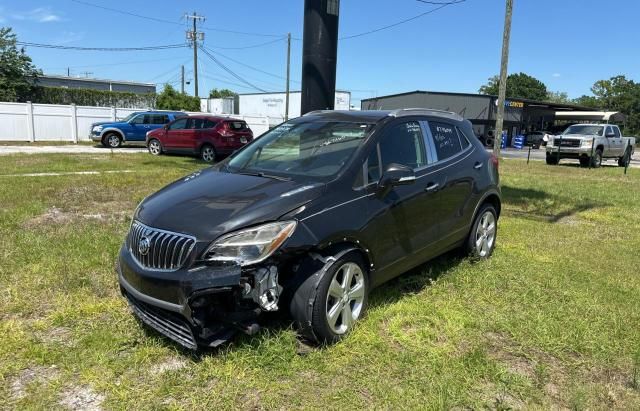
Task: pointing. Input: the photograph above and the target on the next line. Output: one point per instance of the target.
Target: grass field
(551, 321)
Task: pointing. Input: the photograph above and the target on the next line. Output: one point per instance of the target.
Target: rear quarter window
(237, 125)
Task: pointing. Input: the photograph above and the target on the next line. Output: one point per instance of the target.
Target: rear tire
(483, 235)
(154, 147)
(625, 159)
(339, 301)
(551, 159)
(596, 160)
(112, 140)
(208, 153)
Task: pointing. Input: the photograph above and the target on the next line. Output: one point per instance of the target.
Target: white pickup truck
(591, 143)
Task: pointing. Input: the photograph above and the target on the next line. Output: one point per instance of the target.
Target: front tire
(154, 147)
(482, 238)
(551, 159)
(208, 153)
(596, 160)
(339, 301)
(112, 140)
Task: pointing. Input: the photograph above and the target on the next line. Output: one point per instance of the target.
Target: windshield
(586, 130)
(129, 117)
(312, 148)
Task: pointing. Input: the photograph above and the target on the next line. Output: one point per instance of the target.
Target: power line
(128, 13)
(254, 68)
(60, 47)
(120, 63)
(248, 47)
(228, 70)
(442, 5)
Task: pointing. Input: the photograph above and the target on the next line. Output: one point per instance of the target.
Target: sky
(567, 44)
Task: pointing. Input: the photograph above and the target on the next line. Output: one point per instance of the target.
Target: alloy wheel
(485, 234)
(113, 141)
(345, 298)
(208, 154)
(154, 147)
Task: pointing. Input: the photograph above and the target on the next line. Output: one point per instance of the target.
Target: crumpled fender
(305, 289)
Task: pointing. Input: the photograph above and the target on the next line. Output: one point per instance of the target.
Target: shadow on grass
(543, 206)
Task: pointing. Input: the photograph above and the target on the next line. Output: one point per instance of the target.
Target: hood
(209, 203)
(575, 136)
(105, 123)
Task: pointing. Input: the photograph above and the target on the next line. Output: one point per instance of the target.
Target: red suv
(206, 136)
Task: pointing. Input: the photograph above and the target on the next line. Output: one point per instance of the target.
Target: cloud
(556, 75)
(67, 37)
(39, 14)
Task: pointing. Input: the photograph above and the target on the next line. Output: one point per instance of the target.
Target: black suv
(308, 218)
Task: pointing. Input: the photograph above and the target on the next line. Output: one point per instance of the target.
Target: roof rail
(317, 112)
(406, 111)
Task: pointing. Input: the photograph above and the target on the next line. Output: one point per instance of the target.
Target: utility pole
(286, 104)
(182, 79)
(68, 71)
(502, 90)
(194, 35)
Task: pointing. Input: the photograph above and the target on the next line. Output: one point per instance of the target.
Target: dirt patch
(56, 335)
(170, 364)
(81, 398)
(57, 216)
(569, 220)
(37, 374)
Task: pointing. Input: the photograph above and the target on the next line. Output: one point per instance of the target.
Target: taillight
(495, 161)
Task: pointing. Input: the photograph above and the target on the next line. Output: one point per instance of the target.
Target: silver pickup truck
(591, 143)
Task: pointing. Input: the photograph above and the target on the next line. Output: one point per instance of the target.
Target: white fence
(52, 122)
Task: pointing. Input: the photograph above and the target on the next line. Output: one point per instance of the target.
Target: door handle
(478, 165)
(432, 187)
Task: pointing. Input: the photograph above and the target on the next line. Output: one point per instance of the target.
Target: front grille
(158, 249)
(567, 142)
(163, 321)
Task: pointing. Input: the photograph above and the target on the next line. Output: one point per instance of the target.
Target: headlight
(97, 128)
(251, 245)
(587, 143)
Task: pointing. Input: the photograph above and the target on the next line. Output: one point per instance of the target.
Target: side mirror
(395, 175)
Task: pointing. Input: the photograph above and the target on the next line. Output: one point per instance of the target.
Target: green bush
(89, 97)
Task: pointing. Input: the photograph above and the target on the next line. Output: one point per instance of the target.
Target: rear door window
(403, 144)
(195, 123)
(208, 123)
(616, 131)
(445, 138)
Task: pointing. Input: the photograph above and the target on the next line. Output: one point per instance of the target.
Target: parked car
(132, 129)
(536, 139)
(308, 219)
(591, 143)
(203, 135)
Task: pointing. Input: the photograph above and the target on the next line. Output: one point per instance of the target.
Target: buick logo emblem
(144, 245)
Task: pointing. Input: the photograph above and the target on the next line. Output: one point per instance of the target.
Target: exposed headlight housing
(251, 245)
(587, 143)
(97, 128)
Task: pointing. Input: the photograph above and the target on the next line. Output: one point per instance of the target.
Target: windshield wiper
(261, 174)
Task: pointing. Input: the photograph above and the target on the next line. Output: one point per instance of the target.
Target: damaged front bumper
(203, 306)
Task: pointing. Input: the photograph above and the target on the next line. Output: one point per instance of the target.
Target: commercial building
(520, 116)
(270, 105)
(48, 80)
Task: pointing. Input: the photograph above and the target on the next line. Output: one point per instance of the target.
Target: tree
(519, 85)
(171, 99)
(587, 101)
(18, 75)
(221, 93)
(560, 97)
(620, 94)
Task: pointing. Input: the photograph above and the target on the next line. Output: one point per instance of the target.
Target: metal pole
(529, 155)
(182, 80)
(559, 145)
(626, 161)
(503, 77)
(593, 141)
(286, 104)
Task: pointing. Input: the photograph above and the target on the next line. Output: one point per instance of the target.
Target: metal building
(521, 115)
(47, 80)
